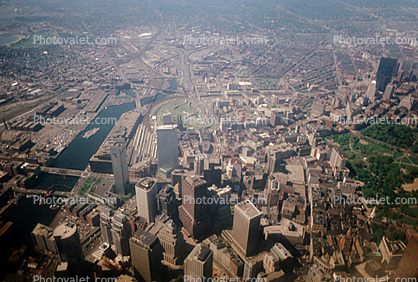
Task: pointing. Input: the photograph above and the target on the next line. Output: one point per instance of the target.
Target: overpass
(62, 171)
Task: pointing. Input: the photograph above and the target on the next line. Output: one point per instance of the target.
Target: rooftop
(248, 209)
(65, 230)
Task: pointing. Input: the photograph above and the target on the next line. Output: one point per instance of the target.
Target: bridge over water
(62, 171)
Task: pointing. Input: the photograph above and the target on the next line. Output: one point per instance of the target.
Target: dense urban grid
(208, 141)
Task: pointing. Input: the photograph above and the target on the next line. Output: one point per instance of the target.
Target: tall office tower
(167, 202)
(42, 238)
(245, 229)
(275, 118)
(199, 263)
(371, 91)
(173, 244)
(167, 148)
(272, 162)
(389, 90)
(120, 167)
(272, 193)
(146, 193)
(121, 231)
(105, 225)
(193, 211)
(146, 255)
(199, 165)
(387, 68)
(68, 245)
(337, 160)
(213, 172)
(219, 208)
(176, 178)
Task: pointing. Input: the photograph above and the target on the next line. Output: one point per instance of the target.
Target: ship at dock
(90, 133)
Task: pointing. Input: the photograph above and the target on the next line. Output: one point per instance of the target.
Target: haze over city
(212, 140)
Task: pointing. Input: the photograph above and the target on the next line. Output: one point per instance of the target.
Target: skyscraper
(337, 159)
(115, 230)
(193, 212)
(68, 245)
(167, 148)
(105, 225)
(389, 90)
(173, 243)
(245, 231)
(167, 202)
(146, 253)
(146, 193)
(199, 263)
(387, 68)
(120, 167)
(121, 231)
(43, 237)
(371, 91)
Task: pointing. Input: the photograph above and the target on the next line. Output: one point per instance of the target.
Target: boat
(54, 207)
(90, 132)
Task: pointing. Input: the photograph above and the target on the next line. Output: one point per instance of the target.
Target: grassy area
(157, 110)
(31, 41)
(384, 169)
(84, 188)
(126, 93)
(90, 180)
(266, 83)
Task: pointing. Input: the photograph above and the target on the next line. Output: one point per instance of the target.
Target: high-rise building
(121, 231)
(387, 68)
(177, 176)
(337, 160)
(115, 230)
(245, 231)
(120, 167)
(275, 118)
(213, 175)
(371, 91)
(199, 263)
(276, 258)
(389, 90)
(219, 208)
(68, 245)
(146, 193)
(193, 212)
(173, 244)
(105, 224)
(199, 165)
(167, 202)
(42, 237)
(146, 256)
(392, 252)
(167, 148)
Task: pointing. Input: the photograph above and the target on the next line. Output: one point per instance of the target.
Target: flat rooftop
(146, 183)
(42, 230)
(144, 237)
(167, 126)
(65, 230)
(248, 209)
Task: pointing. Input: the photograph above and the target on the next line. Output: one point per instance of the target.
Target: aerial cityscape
(200, 141)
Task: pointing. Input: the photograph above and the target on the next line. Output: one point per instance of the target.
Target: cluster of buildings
(248, 191)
